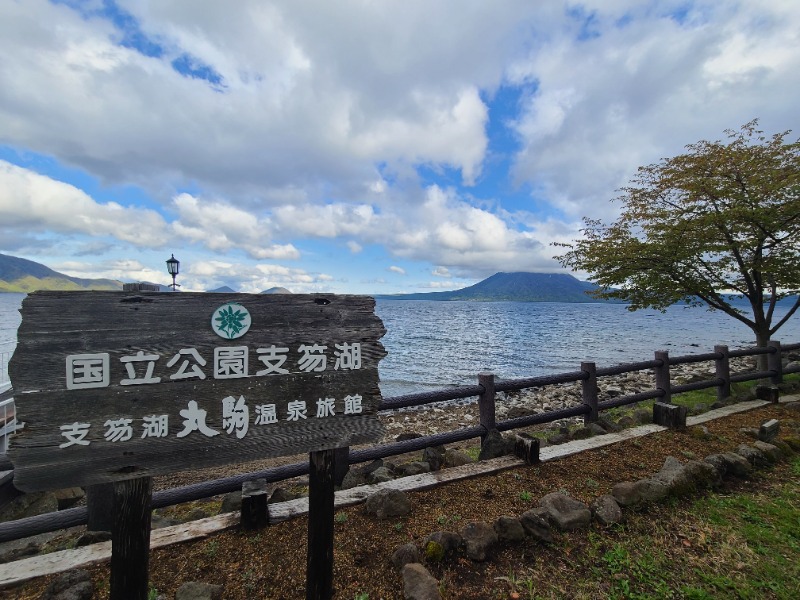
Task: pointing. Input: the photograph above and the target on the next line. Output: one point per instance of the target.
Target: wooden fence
(486, 391)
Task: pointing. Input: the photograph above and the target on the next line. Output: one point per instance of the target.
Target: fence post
(722, 367)
(130, 539)
(775, 363)
(589, 389)
(100, 507)
(486, 405)
(662, 377)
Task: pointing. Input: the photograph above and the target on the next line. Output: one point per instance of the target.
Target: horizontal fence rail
(486, 390)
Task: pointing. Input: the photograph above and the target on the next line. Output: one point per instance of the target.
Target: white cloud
(311, 93)
(325, 112)
(38, 203)
(221, 226)
(396, 269)
(645, 87)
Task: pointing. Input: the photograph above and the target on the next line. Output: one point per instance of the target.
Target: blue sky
(357, 146)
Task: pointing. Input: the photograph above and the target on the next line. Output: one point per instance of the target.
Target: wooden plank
(214, 401)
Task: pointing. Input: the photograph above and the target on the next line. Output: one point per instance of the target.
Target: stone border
(17, 572)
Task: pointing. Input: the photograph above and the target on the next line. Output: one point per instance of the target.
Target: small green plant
(525, 496)
(152, 593)
(441, 519)
(361, 596)
(341, 518)
(211, 548)
(592, 484)
(398, 526)
(519, 584)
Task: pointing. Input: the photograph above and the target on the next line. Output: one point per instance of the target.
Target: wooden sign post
(114, 388)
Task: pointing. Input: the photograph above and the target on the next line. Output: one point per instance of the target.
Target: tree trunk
(762, 341)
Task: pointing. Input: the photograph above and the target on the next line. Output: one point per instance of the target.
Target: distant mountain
(276, 290)
(517, 287)
(21, 275)
(222, 290)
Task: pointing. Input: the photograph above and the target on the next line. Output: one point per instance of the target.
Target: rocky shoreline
(449, 416)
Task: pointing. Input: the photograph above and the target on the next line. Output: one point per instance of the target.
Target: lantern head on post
(172, 268)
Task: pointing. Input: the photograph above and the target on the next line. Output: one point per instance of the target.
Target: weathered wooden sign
(113, 386)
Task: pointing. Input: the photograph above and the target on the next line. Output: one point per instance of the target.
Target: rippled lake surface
(439, 344)
(436, 344)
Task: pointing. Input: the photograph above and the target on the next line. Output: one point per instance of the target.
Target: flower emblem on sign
(230, 321)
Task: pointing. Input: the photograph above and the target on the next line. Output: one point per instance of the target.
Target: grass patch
(740, 545)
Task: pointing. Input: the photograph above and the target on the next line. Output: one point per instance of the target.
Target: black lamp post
(172, 268)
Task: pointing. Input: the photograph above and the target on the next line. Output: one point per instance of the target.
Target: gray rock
(29, 549)
(434, 456)
(582, 433)
(231, 502)
(634, 493)
(606, 510)
(405, 554)
(535, 523)
(370, 467)
(699, 432)
(559, 438)
(771, 452)
(495, 446)
(643, 416)
(419, 584)
(754, 456)
(158, 521)
(625, 421)
(674, 475)
(564, 512)
(597, 429)
(197, 590)
(282, 495)
(449, 541)
(608, 425)
(509, 529)
(380, 475)
(730, 463)
(479, 539)
(703, 474)
(416, 467)
(750, 432)
(72, 585)
(518, 411)
(456, 458)
(388, 503)
(353, 479)
(29, 505)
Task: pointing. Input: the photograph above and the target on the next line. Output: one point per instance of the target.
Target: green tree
(720, 221)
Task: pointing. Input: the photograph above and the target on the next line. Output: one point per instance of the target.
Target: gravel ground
(271, 564)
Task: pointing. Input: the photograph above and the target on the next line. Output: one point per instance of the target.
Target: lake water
(439, 344)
